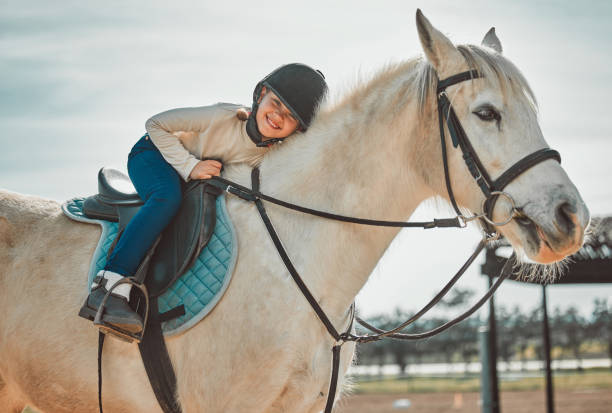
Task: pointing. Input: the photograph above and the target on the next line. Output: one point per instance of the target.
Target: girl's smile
(274, 119)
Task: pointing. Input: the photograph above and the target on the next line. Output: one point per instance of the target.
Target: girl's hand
(206, 169)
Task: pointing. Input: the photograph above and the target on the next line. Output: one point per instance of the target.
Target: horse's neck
(358, 161)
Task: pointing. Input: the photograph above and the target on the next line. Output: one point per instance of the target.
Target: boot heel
(87, 312)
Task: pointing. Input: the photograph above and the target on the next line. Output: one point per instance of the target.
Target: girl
(284, 102)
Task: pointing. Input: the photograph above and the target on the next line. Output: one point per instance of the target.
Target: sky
(79, 79)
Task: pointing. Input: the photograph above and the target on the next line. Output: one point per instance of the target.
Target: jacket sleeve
(162, 126)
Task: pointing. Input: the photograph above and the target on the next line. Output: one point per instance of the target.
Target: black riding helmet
(300, 88)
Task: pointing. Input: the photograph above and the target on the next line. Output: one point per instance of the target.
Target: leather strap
(517, 169)
(333, 384)
(157, 362)
(172, 313)
(459, 138)
(430, 304)
(287, 261)
(340, 338)
(251, 195)
(101, 337)
(523, 165)
(458, 78)
(504, 274)
(449, 187)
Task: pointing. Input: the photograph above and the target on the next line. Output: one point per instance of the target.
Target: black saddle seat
(116, 196)
(115, 187)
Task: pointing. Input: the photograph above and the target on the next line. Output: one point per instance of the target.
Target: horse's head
(499, 116)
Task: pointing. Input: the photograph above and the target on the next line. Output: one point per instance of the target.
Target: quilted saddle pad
(199, 289)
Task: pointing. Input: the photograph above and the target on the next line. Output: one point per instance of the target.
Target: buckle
(247, 196)
(489, 237)
(512, 213)
(463, 221)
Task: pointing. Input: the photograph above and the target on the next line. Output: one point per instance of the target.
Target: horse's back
(22, 214)
(18, 214)
(26, 221)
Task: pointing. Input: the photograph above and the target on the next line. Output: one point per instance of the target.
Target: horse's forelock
(499, 72)
(496, 69)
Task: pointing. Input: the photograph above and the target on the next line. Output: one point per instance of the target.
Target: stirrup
(119, 333)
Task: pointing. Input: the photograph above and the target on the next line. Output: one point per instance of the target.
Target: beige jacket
(186, 135)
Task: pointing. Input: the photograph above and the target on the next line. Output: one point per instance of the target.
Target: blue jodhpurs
(159, 186)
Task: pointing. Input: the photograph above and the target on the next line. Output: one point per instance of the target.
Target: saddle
(179, 244)
(174, 252)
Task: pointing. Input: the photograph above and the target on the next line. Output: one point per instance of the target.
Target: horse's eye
(488, 114)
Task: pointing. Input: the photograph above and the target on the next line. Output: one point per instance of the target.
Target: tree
(373, 353)
(571, 330)
(505, 338)
(602, 323)
(459, 297)
(466, 336)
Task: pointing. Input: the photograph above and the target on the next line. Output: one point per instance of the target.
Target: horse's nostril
(564, 217)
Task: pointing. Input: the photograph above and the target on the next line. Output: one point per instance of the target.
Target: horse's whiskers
(541, 273)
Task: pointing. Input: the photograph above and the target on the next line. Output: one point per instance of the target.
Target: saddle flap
(183, 239)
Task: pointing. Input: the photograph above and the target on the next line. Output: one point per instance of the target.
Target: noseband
(492, 189)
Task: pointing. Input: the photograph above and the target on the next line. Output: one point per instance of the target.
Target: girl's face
(274, 119)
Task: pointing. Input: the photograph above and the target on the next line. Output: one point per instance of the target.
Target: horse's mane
(387, 93)
(399, 78)
(421, 79)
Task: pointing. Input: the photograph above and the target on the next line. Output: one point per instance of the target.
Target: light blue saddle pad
(199, 289)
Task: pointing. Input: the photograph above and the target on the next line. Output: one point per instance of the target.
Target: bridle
(492, 189)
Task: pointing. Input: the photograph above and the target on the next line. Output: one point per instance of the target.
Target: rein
(491, 189)
(253, 195)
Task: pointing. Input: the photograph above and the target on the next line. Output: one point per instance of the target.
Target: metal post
(495, 407)
(485, 379)
(550, 404)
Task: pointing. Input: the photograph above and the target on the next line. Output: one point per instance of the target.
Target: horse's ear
(491, 40)
(440, 51)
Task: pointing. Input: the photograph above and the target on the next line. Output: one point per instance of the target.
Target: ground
(584, 401)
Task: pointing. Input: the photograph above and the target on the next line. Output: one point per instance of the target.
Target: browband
(458, 78)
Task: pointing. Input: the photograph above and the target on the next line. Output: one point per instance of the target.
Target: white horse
(375, 153)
